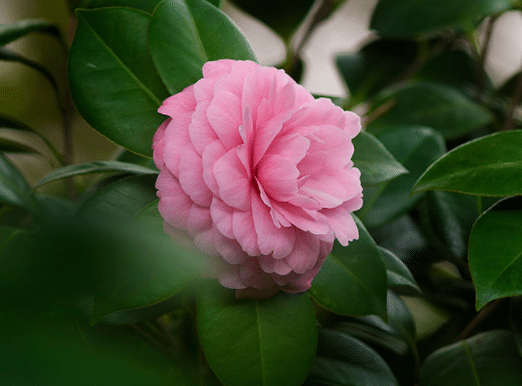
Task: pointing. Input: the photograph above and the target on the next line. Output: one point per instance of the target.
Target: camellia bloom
(259, 173)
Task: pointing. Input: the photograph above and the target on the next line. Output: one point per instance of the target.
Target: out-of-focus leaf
(114, 83)
(14, 189)
(256, 342)
(495, 252)
(374, 161)
(352, 280)
(487, 359)
(489, 166)
(375, 66)
(509, 87)
(184, 34)
(515, 318)
(16, 146)
(282, 16)
(434, 105)
(344, 360)
(11, 32)
(94, 167)
(398, 273)
(415, 148)
(144, 5)
(401, 18)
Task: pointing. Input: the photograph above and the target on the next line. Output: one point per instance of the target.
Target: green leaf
(144, 5)
(515, 318)
(487, 359)
(402, 18)
(113, 81)
(375, 66)
(374, 161)
(11, 32)
(434, 105)
(495, 252)
(140, 265)
(14, 189)
(489, 166)
(282, 16)
(94, 167)
(344, 360)
(352, 280)
(415, 148)
(184, 34)
(256, 342)
(16, 146)
(398, 273)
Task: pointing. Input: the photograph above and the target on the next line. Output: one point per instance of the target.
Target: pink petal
(222, 217)
(176, 139)
(230, 250)
(212, 153)
(191, 177)
(200, 132)
(158, 144)
(305, 254)
(302, 219)
(225, 116)
(231, 177)
(198, 220)
(174, 204)
(180, 103)
(217, 68)
(244, 232)
(341, 221)
(278, 176)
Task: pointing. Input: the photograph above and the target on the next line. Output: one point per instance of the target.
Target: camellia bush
(250, 233)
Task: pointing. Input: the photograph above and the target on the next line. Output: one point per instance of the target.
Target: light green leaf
(374, 161)
(487, 359)
(397, 272)
(255, 342)
(352, 280)
(489, 166)
(495, 252)
(113, 81)
(184, 34)
(14, 189)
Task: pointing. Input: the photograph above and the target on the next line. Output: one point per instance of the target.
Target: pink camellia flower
(259, 174)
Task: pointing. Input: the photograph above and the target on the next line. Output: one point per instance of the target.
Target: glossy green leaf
(487, 359)
(11, 32)
(398, 273)
(375, 66)
(515, 318)
(495, 252)
(352, 280)
(344, 360)
(184, 34)
(415, 148)
(14, 189)
(434, 105)
(374, 161)
(113, 81)
(256, 342)
(94, 167)
(489, 166)
(282, 16)
(400, 18)
(144, 5)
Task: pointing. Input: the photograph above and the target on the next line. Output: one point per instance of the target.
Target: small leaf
(495, 252)
(113, 81)
(397, 272)
(433, 105)
(11, 32)
(487, 359)
(402, 18)
(344, 360)
(489, 166)
(184, 34)
(352, 280)
(415, 148)
(256, 342)
(14, 189)
(374, 161)
(94, 167)
(282, 16)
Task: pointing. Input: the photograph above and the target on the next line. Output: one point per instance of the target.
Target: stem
(515, 101)
(478, 319)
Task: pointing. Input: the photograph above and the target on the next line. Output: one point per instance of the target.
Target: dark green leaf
(507, 90)
(489, 166)
(144, 5)
(256, 342)
(344, 360)
(433, 105)
(487, 359)
(374, 161)
(14, 189)
(282, 16)
(415, 148)
(399, 18)
(375, 66)
(11, 32)
(352, 280)
(495, 252)
(515, 317)
(94, 167)
(397, 272)
(184, 34)
(113, 81)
